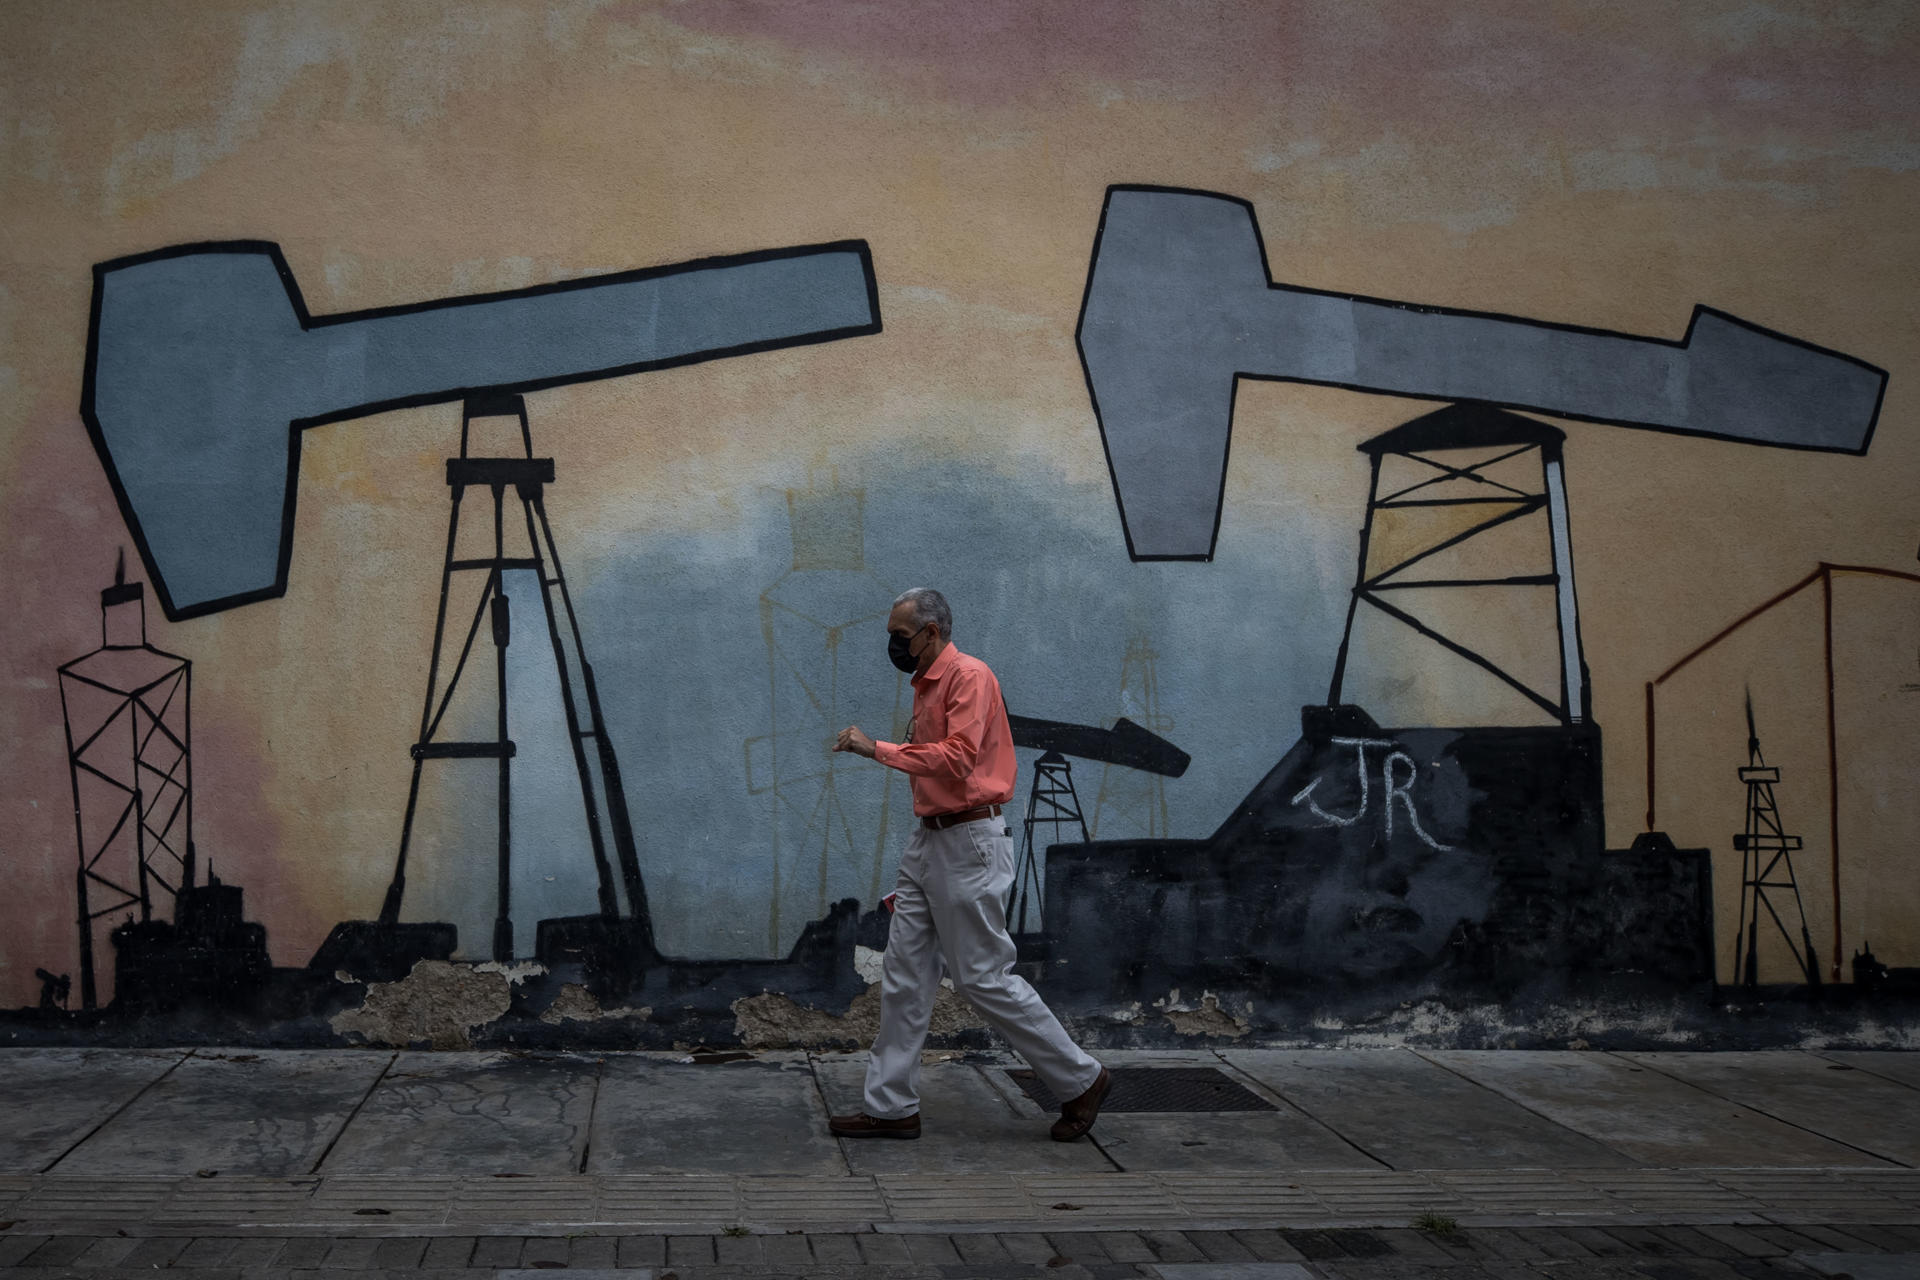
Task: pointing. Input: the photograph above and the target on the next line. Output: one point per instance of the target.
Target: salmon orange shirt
(960, 749)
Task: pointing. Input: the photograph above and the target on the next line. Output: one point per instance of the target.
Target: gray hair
(929, 606)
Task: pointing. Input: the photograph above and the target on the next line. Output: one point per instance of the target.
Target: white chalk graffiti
(1401, 790)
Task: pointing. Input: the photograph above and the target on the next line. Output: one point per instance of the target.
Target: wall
(734, 513)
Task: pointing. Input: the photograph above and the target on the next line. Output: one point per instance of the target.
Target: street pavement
(1389, 1163)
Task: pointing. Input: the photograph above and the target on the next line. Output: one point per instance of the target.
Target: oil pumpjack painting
(1373, 865)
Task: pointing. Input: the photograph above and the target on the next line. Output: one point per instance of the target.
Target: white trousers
(950, 913)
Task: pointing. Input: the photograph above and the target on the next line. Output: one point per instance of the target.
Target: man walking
(950, 905)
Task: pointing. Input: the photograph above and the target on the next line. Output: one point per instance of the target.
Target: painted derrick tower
(127, 707)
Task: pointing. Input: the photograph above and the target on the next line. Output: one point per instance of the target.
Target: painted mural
(1434, 484)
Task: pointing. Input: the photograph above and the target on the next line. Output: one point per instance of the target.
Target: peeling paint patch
(1209, 1019)
(1131, 1014)
(438, 1002)
(1436, 1023)
(869, 964)
(772, 1021)
(516, 973)
(576, 1004)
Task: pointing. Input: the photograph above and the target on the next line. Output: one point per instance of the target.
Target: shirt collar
(946, 659)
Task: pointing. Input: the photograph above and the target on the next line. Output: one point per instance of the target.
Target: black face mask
(900, 652)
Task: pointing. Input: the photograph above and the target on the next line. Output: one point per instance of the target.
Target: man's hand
(851, 739)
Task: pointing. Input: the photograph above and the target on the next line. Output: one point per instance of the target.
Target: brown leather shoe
(1077, 1117)
(862, 1125)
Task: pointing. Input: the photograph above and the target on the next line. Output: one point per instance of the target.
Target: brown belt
(941, 821)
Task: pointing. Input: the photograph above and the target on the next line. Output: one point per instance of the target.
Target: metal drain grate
(1149, 1089)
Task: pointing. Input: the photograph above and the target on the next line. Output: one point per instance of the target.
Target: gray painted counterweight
(203, 362)
(1180, 304)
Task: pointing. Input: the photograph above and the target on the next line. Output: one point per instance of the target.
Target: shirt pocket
(929, 720)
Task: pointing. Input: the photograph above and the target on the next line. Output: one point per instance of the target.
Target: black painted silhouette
(1492, 488)
(127, 710)
(1823, 577)
(1871, 975)
(54, 988)
(1766, 871)
(1052, 800)
(386, 944)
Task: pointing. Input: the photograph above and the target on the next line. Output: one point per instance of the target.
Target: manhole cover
(1145, 1089)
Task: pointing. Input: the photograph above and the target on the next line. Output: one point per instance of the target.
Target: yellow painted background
(1603, 165)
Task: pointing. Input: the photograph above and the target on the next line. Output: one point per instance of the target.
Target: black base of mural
(209, 953)
(689, 1001)
(295, 1016)
(379, 951)
(215, 1000)
(1869, 974)
(1599, 1017)
(1434, 887)
(1377, 866)
(611, 958)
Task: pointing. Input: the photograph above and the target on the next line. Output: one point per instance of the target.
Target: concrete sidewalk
(1571, 1164)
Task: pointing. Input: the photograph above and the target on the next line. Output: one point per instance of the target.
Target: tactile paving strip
(1141, 1090)
(706, 1203)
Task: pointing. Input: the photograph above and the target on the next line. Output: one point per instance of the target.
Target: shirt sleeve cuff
(887, 753)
